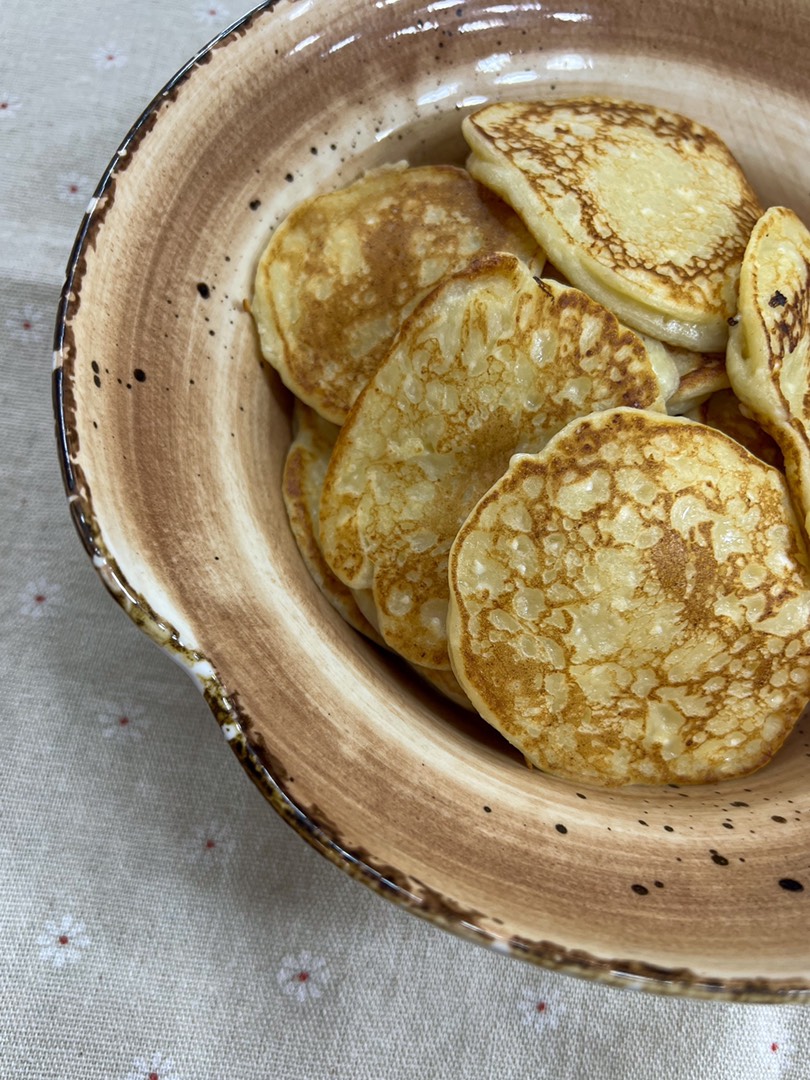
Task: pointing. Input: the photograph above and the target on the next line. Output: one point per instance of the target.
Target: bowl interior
(176, 438)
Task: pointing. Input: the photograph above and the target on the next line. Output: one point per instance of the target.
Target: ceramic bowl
(173, 438)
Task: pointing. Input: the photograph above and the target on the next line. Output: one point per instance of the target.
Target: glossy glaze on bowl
(173, 440)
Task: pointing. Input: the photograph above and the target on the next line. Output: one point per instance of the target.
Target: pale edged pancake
(446, 684)
(768, 356)
(643, 209)
(444, 681)
(632, 604)
(343, 270)
(687, 378)
(725, 412)
(301, 485)
(491, 363)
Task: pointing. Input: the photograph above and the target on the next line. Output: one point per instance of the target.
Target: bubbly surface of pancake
(769, 347)
(645, 210)
(490, 364)
(304, 472)
(343, 270)
(724, 412)
(631, 605)
(302, 483)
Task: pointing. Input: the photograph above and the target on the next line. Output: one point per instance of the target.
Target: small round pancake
(632, 604)
(302, 483)
(724, 412)
(491, 363)
(768, 356)
(687, 378)
(444, 681)
(304, 471)
(343, 270)
(644, 210)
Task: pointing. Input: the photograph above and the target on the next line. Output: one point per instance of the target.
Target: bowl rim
(269, 774)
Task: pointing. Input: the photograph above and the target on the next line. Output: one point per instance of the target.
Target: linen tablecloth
(158, 921)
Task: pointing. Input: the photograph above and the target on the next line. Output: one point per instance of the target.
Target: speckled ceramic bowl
(172, 440)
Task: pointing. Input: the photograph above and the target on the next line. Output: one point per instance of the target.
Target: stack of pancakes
(551, 438)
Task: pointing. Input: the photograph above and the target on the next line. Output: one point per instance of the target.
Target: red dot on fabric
(153, 1076)
(124, 721)
(541, 1006)
(774, 1047)
(303, 976)
(210, 844)
(39, 598)
(63, 939)
(73, 189)
(26, 324)
(3, 104)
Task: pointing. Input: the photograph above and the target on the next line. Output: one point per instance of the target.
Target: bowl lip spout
(268, 774)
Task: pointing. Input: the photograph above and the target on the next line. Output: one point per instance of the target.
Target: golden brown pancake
(769, 348)
(343, 270)
(443, 681)
(446, 683)
(632, 604)
(490, 364)
(302, 483)
(724, 412)
(687, 378)
(644, 210)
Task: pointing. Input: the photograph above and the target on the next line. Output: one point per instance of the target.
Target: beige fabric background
(155, 914)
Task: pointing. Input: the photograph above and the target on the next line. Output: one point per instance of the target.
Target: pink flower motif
(212, 844)
(769, 1044)
(26, 325)
(303, 977)
(39, 598)
(157, 1067)
(540, 1008)
(73, 188)
(107, 57)
(62, 943)
(9, 105)
(124, 723)
(211, 13)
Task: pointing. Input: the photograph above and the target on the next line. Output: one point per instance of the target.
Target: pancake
(304, 472)
(769, 349)
(724, 412)
(632, 604)
(644, 210)
(343, 270)
(687, 378)
(446, 684)
(302, 482)
(491, 363)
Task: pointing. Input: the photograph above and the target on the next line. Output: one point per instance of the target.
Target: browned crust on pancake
(773, 324)
(521, 394)
(301, 487)
(561, 166)
(345, 268)
(658, 632)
